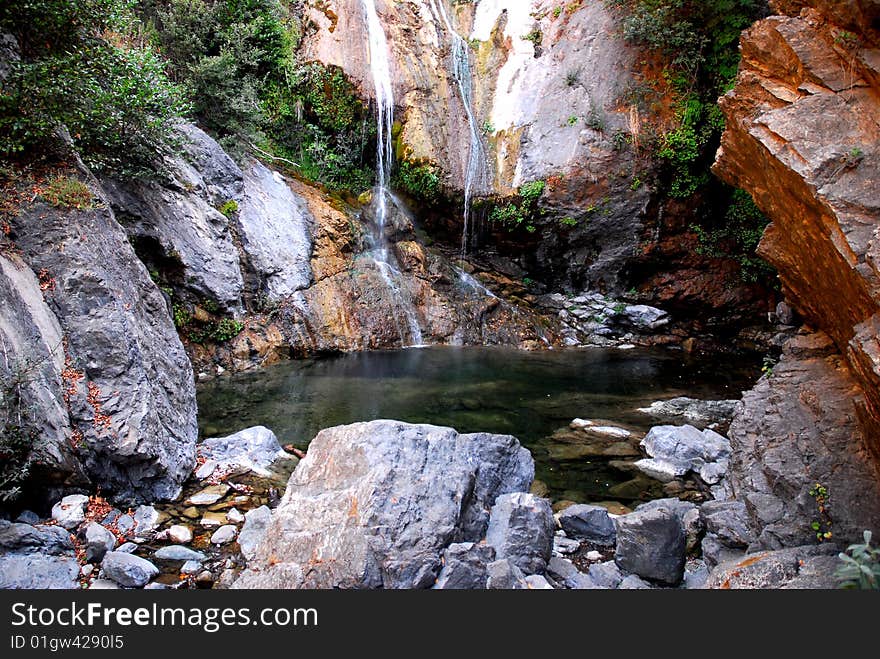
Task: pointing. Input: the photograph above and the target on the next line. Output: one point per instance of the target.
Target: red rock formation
(803, 137)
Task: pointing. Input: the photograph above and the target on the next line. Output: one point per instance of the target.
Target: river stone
(25, 539)
(37, 571)
(213, 520)
(254, 449)
(224, 535)
(125, 524)
(146, 519)
(676, 450)
(380, 501)
(504, 575)
(128, 570)
(127, 547)
(651, 544)
(256, 522)
(590, 523)
(521, 528)
(70, 512)
(191, 567)
(235, 516)
(464, 566)
(179, 553)
(209, 495)
(179, 534)
(538, 582)
(98, 541)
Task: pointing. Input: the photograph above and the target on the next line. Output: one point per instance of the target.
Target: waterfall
(380, 68)
(461, 72)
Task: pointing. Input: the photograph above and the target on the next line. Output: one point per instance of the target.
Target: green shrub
(523, 212)
(114, 97)
(860, 566)
(419, 180)
(229, 208)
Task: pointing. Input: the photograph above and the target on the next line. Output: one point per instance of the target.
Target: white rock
(206, 469)
(70, 512)
(594, 556)
(224, 535)
(179, 534)
(235, 516)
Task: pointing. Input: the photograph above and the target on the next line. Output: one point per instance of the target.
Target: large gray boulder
(688, 514)
(521, 528)
(677, 450)
(254, 449)
(129, 383)
(37, 571)
(375, 504)
(275, 229)
(810, 566)
(504, 575)
(591, 523)
(176, 225)
(651, 544)
(465, 566)
(24, 538)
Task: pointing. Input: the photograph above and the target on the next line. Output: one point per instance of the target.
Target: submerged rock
(700, 413)
(380, 501)
(179, 553)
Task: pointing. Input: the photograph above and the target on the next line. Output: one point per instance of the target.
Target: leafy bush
(523, 212)
(419, 180)
(860, 566)
(80, 68)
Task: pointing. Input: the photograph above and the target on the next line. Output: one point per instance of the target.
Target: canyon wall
(803, 137)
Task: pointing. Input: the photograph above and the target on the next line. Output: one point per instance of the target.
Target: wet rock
(70, 512)
(700, 413)
(651, 544)
(465, 566)
(191, 567)
(128, 570)
(521, 528)
(191, 512)
(677, 450)
(591, 523)
(424, 487)
(209, 495)
(179, 553)
(33, 571)
(24, 538)
(254, 449)
(504, 575)
(256, 522)
(605, 575)
(538, 582)
(98, 541)
(729, 522)
(224, 535)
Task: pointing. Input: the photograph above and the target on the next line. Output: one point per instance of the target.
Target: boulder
(128, 570)
(254, 449)
(504, 575)
(37, 571)
(538, 582)
(688, 514)
(26, 539)
(605, 575)
(146, 520)
(590, 523)
(700, 413)
(563, 545)
(256, 522)
(729, 522)
(98, 541)
(380, 501)
(677, 450)
(70, 512)
(464, 566)
(521, 528)
(651, 544)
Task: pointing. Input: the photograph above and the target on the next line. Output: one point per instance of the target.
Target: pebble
(211, 520)
(179, 534)
(205, 578)
(594, 556)
(224, 535)
(206, 469)
(235, 516)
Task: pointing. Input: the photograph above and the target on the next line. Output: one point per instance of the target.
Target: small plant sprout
(821, 526)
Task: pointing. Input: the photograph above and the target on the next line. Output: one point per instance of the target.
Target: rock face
(803, 129)
(796, 428)
(375, 504)
(128, 385)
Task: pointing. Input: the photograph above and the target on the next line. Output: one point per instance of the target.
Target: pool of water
(531, 395)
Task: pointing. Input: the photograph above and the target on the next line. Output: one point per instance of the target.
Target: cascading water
(461, 71)
(380, 68)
